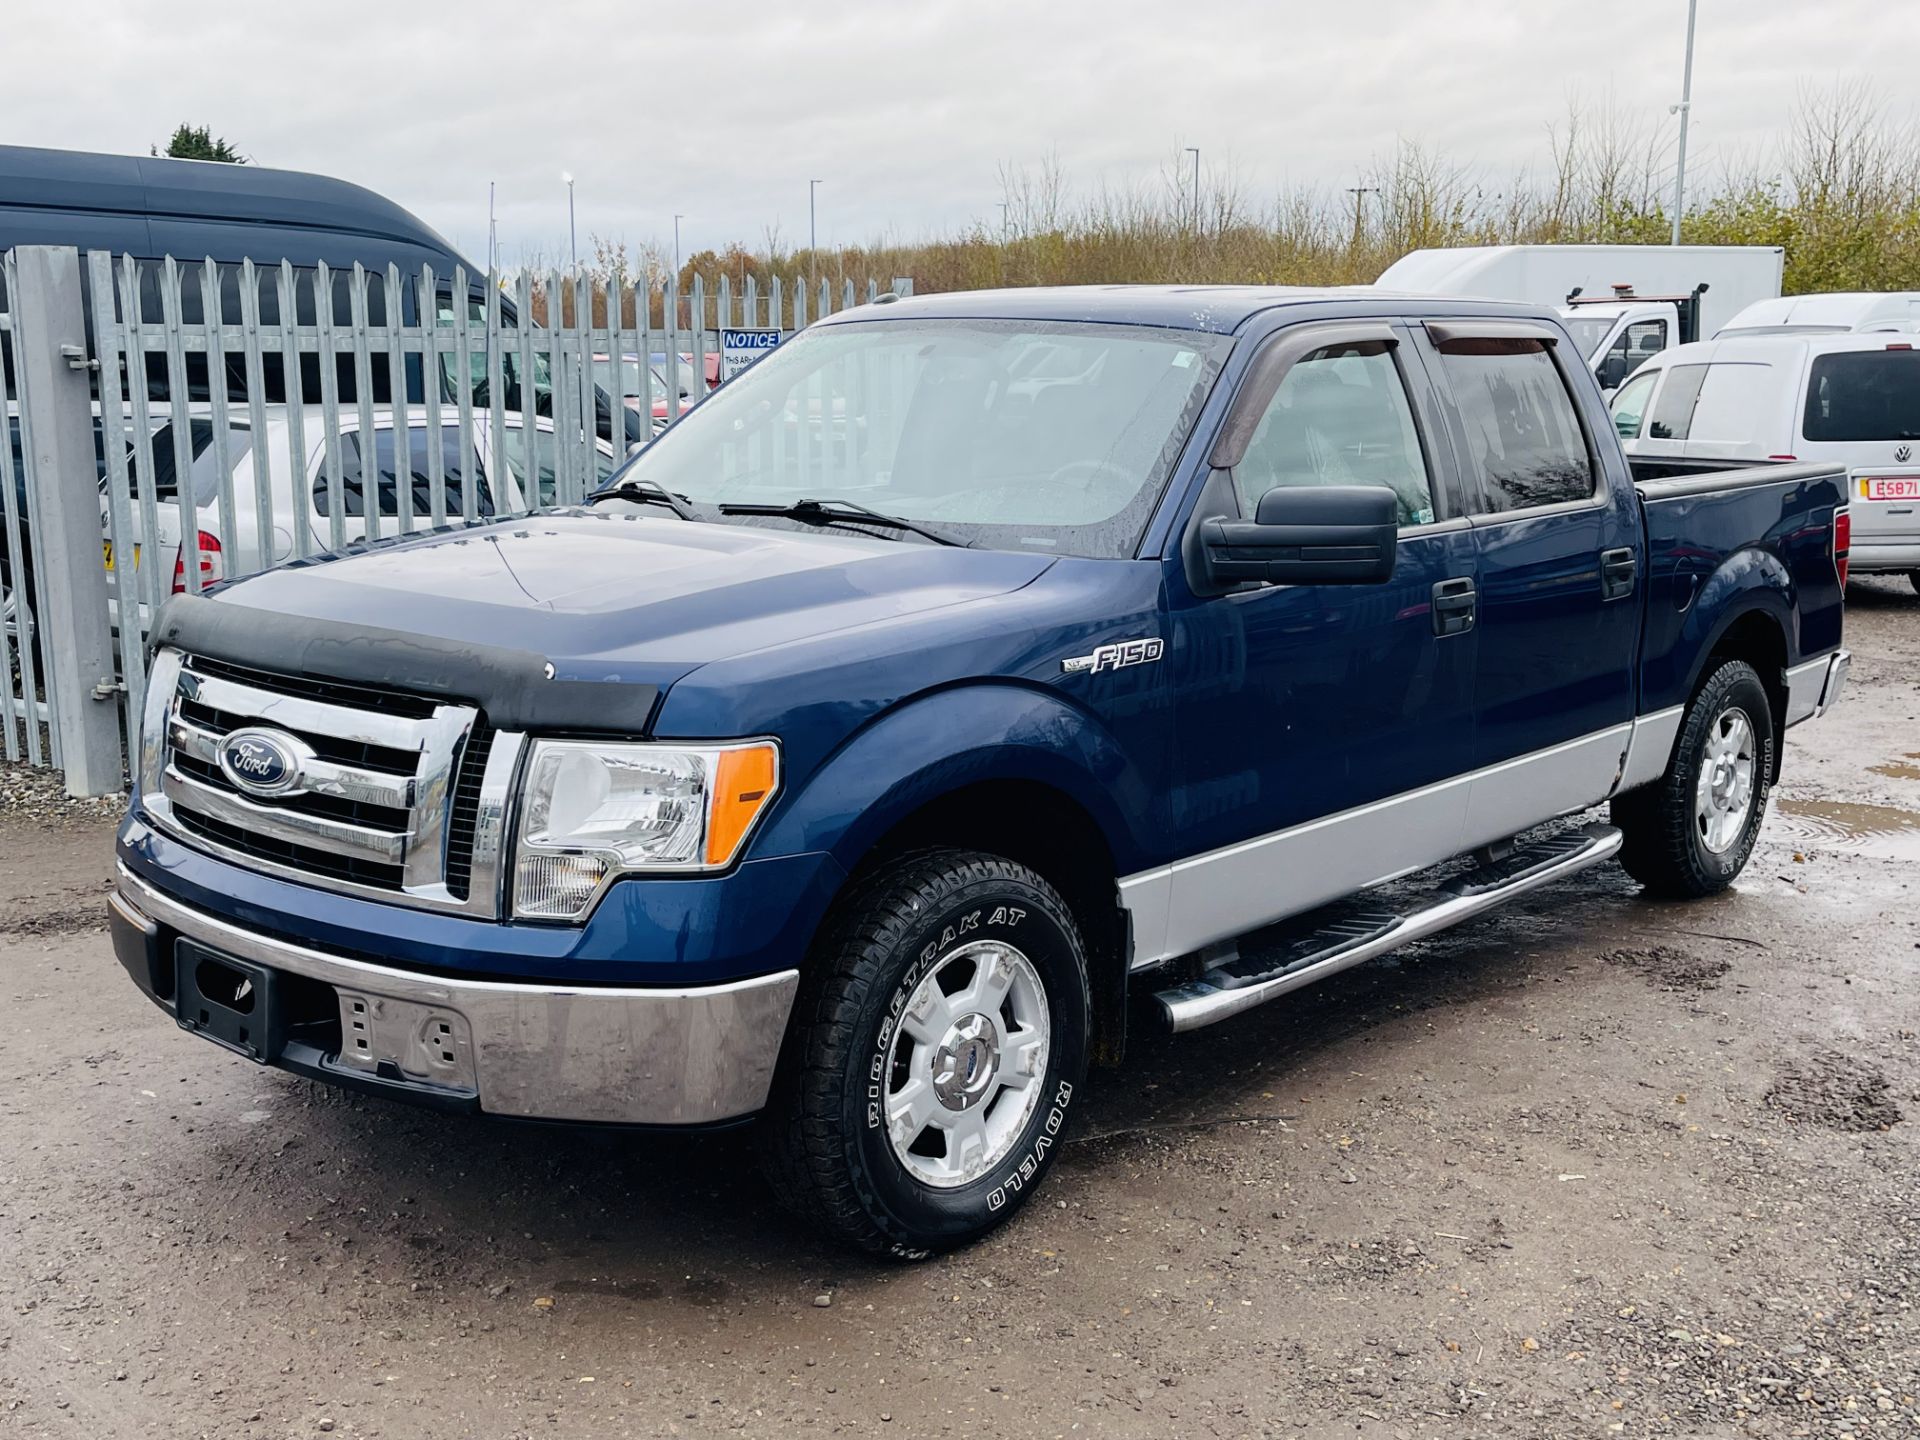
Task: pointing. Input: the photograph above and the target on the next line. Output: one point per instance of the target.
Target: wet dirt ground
(1592, 1166)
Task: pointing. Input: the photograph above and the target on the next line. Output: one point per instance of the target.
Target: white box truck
(1624, 304)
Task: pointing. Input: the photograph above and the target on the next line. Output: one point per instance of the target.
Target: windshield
(1016, 435)
(1589, 332)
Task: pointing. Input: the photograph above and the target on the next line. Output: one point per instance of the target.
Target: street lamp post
(813, 234)
(1194, 150)
(1685, 107)
(1360, 193)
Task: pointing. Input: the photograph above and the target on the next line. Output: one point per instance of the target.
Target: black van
(149, 208)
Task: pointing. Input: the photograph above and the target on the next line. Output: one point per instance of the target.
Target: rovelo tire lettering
(1023, 1173)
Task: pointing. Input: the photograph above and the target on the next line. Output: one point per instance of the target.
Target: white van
(1851, 397)
(1837, 313)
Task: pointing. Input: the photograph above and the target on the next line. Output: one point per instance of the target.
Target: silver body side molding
(1650, 747)
(1180, 908)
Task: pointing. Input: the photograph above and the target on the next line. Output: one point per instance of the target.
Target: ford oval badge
(260, 761)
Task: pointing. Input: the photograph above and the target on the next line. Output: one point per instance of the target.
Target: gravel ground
(1589, 1167)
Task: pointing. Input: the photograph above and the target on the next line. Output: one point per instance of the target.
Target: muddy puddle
(1907, 767)
(1883, 832)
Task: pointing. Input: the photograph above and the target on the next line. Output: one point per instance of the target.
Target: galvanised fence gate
(175, 424)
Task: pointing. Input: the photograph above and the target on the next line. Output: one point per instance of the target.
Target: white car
(261, 535)
(1852, 397)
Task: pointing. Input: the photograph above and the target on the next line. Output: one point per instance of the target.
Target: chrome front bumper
(584, 1053)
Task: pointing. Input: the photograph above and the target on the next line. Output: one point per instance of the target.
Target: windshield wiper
(645, 492)
(828, 512)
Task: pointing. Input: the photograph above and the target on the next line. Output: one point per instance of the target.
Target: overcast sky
(904, 109)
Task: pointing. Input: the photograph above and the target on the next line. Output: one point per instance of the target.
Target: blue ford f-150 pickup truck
(967, 664)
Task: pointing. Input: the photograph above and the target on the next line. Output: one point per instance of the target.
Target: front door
(1321, 727)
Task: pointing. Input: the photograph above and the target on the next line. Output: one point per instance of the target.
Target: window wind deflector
(1457, 332)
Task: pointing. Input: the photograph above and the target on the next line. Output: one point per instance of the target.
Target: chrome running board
(1239, 984)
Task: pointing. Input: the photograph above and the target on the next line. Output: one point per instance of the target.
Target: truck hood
(608, 597)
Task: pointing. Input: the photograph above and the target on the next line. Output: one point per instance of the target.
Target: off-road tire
(823, 1138)
(1664, 847)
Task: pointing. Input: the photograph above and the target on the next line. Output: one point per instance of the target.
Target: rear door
(1558, 555)
(1862, 409)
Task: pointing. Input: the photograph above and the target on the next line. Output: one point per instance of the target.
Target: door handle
(1616, 574)
(1454, 604)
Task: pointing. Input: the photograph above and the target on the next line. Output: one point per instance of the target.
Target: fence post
(50, 341)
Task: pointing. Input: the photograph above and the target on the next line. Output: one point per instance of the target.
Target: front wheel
(937, 1046)
(1691, 832)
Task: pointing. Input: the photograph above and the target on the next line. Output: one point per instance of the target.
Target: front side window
(1340, 417)
(1864, 395)
(1523, 435)
(388, 467)
(1672, 417)
(1636, 345)
(1629, 407)
(955, 424)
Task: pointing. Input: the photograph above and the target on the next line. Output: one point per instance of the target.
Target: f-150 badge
(1116, 656)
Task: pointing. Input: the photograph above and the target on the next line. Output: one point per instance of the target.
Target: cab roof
(1221, 309)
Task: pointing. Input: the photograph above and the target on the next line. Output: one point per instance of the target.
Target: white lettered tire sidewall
(1032, 920)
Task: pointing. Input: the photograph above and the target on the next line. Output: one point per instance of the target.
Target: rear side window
(1523, 435)
(1672, 416)
(1864, 395)
(417, 466)
(1340, 417)
(161, 461)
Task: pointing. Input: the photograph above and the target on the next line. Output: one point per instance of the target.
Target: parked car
(1829, 314)
(266, 506)
(857, 786)
(647, 385)
(1623, 304)
(1846, 398)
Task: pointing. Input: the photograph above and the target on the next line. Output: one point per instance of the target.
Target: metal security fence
(25, 716)
(246, 416)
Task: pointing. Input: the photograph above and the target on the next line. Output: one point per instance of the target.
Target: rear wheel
(937, 1045)
(1691, 831)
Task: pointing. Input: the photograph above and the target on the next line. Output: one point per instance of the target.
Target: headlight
(591, 810)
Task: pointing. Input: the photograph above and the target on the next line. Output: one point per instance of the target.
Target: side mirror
(1308, 535)
(1613, 371)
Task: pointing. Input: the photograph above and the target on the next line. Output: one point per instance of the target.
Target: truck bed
(1702, 517)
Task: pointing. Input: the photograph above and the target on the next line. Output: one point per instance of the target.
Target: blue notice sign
(740, 348)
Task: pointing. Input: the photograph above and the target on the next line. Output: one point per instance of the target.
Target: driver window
(1340, 417)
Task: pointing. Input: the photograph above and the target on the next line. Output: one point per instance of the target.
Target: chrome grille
(402, 797)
